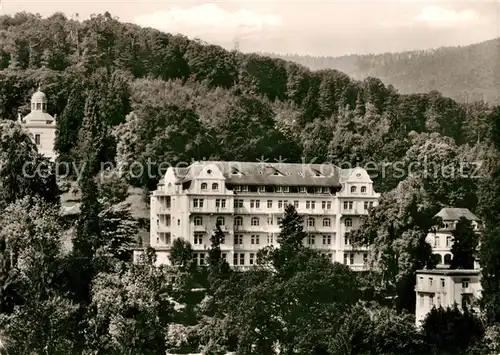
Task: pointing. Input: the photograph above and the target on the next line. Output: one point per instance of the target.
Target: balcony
(163, 210)
(201, 228)
(163, 228)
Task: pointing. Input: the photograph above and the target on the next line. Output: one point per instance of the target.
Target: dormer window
(279, 189)
(244, 188)
(204, 186)
(262, 189)
(237, 188)
(215, 186)
(286, 189)
(303, 189)
(353, 189)
(348, 222)
(38, 106)
(319, 190)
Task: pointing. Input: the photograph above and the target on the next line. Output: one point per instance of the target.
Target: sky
(320, 28)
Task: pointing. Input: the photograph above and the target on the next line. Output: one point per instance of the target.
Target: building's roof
(38, 116)
(449, 272)
(244, 173)
(454, 214)
(39, 97)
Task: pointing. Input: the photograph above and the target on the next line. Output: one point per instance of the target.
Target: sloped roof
(245, 173)
(454, 214)
(38, 116)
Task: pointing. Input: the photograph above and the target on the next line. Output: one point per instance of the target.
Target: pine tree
(218, 266)
(465, 242)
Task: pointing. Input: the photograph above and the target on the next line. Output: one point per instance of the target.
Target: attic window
(209, 171)
(289, 173)
(235, 172)
(317, 173)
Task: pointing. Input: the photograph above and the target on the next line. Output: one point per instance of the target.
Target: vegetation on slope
(465, 73)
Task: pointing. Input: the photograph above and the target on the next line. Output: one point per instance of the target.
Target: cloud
(209, 21)
(441, 17)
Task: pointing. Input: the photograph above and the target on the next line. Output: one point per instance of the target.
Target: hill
(465, 73)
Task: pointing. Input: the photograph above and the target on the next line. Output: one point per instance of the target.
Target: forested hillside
(466, 73)
(145, 99)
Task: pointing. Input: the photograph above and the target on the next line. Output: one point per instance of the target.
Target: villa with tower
(40, 125)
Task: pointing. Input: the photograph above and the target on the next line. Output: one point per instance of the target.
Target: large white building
(249, 199)
(40, 125)
(441, 238)
(445, 288)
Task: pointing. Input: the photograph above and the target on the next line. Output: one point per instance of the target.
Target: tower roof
(39, 97)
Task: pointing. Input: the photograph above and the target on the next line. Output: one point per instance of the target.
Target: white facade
(41, 125)
(249, 200)
(445, 288)
(441, 238)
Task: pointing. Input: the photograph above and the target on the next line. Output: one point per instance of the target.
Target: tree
(218, 266)
(465, 242)
(181, 254)
(452, 331)
(23, 171)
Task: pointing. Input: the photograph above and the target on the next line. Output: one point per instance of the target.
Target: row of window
(465, 282)
(242, 259)
(255, 239)
(437, 241)
(283, 189)
(255, 204)
(215, 186)
(255, 221)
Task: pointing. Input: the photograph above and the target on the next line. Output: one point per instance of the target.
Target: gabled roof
(244, 173)
(454, 214)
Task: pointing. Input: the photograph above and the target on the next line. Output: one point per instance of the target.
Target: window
(255, 221)
(327, 222)
(198, 221)
(311, 222)
(313, 205)
(353, 189)
(278, 188)
(311, 240)
(436, 241)
(347, 239)
(443, 283)
(286, 188)
(255, 239)
(296, 204)
(198, 239)
(319, 190)
(237, 188)
(431, 301)
(38, 106)
(235, 259)
(238, 239)
(348, 222)
(363, 189)
(270, 220)
(204, 186)
(257, 203)
(302, 189)
(269, 204)
(270, 239)
(366, 205)
(218, 203)
(465, 283)
(448, 242)
(280, 204)
(308, 204)
(224, 256)
(345, 258)
(346, 205)
(215, 186)
(252, 256)
(238, 203)
(280, 219)
(238, 221)
(252, 203)
(365, 258)
(351, 258)
(329, 256)
(221, 221)
(447, 259)
(202, 258)
(371, 204)
(262, 189)
(327, 239)
(198, 203)
(37, 139)
(430, 281)
(242, 258)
